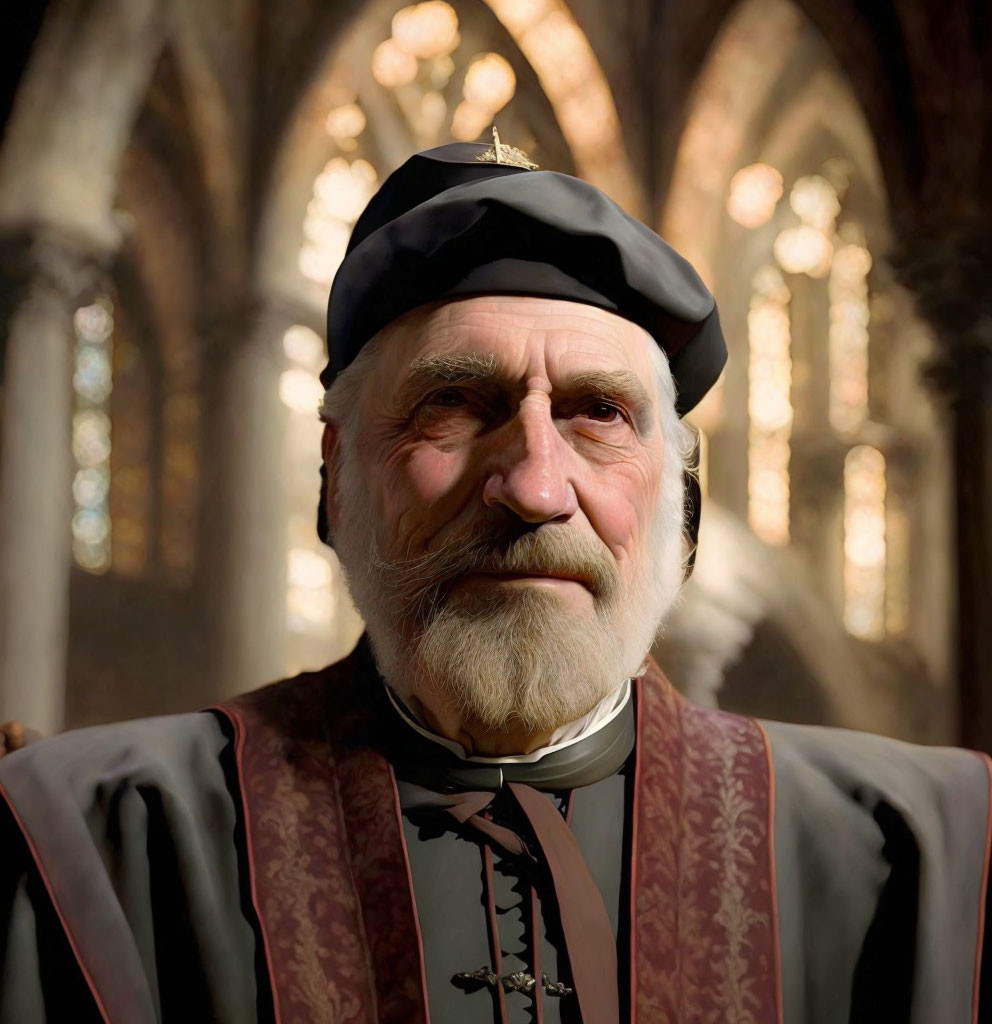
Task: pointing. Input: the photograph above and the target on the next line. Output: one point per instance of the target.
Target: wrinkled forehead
(520, 337)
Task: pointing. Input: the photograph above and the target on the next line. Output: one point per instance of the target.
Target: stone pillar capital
(45, 261)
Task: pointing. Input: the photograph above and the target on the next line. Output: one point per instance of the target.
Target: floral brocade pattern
(331, 884)
(329, 879)
(705, 934)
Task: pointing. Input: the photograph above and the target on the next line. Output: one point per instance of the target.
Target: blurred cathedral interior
(177, 186)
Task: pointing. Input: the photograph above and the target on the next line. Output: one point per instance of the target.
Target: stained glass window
(573, 81)
(91, 434)
(849, 316)
(876, 531)
(322, 624)
(808, 248)
(864, 542)
(339, 195)
(754, 193)
(309, 598)
(769, 407)
(490, 83)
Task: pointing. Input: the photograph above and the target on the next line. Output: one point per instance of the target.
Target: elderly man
(497, 809)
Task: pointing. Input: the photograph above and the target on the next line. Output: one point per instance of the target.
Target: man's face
(505, 497)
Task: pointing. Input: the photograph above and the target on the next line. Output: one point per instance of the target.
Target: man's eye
(450, 413)
(449, 398)
(603, 412)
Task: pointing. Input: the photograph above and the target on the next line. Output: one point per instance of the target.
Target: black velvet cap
(448, 223)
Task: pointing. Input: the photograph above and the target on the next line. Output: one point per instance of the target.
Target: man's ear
(329, 449)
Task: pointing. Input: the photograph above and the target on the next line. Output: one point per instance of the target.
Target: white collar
(605, 711)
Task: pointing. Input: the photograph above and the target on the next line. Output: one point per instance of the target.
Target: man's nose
(530, 471)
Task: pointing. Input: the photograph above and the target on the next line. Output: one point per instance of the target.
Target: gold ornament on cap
(497, 153)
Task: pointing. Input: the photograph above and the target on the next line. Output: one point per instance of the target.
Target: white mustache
(419, 585)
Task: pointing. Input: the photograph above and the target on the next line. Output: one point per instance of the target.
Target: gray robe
(137, 876)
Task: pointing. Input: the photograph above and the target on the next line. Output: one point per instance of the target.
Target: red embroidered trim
(330, 875)
(369, 806)
(238, 725)
(333, 889)
(776, 934)
(304, 888)
(705, 928)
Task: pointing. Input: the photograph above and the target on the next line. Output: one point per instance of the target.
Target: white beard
(519, 658)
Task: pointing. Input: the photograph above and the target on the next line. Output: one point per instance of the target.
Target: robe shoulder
(121, 842)
(881, 853)
(173, 750)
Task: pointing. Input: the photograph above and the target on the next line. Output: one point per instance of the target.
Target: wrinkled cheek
(647, 535)
(624, 524)
(634, 489)
(421, 497)
(649, 520)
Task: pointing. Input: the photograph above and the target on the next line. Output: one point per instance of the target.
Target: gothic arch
(303, 146)
(772, 92)
(75, 108)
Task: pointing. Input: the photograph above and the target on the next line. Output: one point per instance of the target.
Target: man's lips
(525, 574)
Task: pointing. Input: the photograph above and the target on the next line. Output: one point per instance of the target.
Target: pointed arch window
(92, 382)
(814, 239)
(769, 407)
(864, 542)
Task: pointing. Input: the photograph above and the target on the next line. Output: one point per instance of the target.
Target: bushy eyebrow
(438, 369)
(452, 368)
(620, 385)
(455, 367)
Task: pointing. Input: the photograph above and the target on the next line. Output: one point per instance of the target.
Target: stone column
(947, 270)
(246, 515)
(36, 478)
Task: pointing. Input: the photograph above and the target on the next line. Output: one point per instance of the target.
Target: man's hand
(13, 736)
